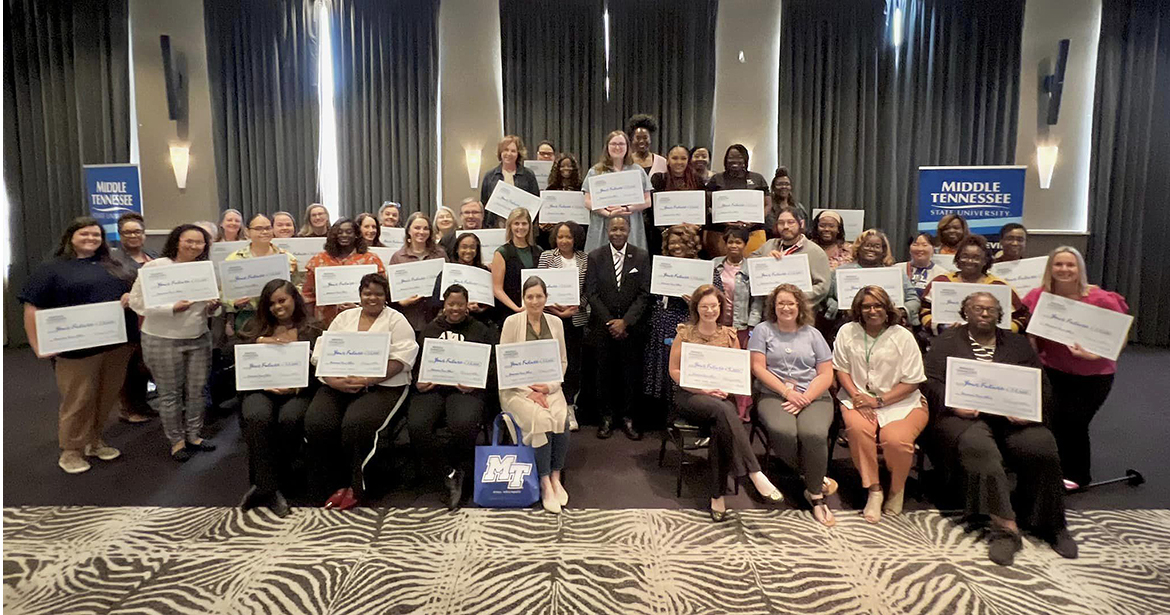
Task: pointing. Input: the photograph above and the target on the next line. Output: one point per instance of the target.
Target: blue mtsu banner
(110, 191)
(987, 197)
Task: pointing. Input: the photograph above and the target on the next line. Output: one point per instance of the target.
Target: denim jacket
(747, 310)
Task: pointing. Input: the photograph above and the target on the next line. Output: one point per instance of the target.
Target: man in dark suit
(617, 287)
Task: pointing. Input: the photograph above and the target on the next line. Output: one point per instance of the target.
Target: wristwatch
(881, 402)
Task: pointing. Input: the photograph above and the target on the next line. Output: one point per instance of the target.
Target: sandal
(820, 509)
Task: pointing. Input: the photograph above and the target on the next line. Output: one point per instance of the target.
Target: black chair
(687, 438)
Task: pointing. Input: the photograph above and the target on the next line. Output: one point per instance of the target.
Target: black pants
(463, 414)
(619, 369)
(1078, 398)
(730, 451)
(341, 433)
(979, 451)
(134, 389)
(272, 426)
(574, 337)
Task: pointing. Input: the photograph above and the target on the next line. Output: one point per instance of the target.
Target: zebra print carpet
(61, 561)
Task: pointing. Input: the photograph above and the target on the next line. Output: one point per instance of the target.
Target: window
(327, 137)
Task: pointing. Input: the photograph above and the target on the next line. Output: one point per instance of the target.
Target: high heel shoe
(718, 516)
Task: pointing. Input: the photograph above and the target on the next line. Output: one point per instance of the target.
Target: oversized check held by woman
(351, 353)
(166, 286)
(710, 367)
(994, 388)
(617, 189)
(455, 363)
(272, 366)
(80, 327)
(525, 363)
(675, 277)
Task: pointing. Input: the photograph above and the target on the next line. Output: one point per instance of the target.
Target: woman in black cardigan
(974, 449)
(511, 170)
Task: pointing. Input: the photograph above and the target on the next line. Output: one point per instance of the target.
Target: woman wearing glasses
(260, 233)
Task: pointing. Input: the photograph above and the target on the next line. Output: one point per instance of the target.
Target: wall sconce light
(472, 157)
(1046, 163)
(180, 161)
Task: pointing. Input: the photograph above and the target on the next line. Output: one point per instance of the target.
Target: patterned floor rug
(60, 561)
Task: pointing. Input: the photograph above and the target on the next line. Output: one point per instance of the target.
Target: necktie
(618, 261)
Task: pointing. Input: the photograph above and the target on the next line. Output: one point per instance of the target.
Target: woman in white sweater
(540, 410)
(176, 346)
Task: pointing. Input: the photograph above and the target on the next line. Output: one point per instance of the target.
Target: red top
(1057, 355)
(326, 313)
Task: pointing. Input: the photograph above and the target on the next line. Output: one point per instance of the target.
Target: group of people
(876, 361)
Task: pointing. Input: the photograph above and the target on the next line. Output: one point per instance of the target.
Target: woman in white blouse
(176, 345)
(879, 368)
(540, 410)
(347, 415)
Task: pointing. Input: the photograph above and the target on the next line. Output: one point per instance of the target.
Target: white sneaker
(573, 426)
(72, 462)
(102, 451)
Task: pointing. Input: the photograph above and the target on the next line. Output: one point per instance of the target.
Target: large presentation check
(303, 248)
(563, 206)
(675, 277)
(350, 353)
(994, 388)
(415, 279)
(1100, 331)
(80, 327)
(392, 237)
(247, 277)
(680, 207)
(452, 363)
(617, 189)
(272, 366)
(525, 363)
(564, 285)
(766, 273)
(506, 197)
(489, 240)
(478, 282)
(710, 367)
(737, 206)
(1023, 275)
(854, 221)
(853, 279)
(947, 299)
(541, 169)
(164, 286)
(220, 250)
(340, 284)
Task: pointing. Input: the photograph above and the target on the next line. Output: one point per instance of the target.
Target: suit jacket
(606, 300)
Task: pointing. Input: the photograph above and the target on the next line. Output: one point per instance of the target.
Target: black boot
(605, 430)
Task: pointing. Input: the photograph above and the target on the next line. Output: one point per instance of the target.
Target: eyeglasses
(785, 304)
(133, 233)
(872, 307)
(982, 309)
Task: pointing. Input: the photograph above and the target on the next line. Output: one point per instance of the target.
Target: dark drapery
(858, 116)
(1130, 219)
(262, 64)
(553, 58)
(386, 71)
(662, 62)
(66, 103)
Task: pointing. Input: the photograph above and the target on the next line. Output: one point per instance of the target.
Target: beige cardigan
(533, 420)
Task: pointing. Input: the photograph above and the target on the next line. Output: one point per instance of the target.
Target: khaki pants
(89, 389)
(897, 440)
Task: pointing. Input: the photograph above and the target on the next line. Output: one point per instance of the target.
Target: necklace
(869, 348)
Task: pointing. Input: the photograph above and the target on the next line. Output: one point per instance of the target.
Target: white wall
(1064, 206)
(471, 111)
(164, 205)
(746, 94)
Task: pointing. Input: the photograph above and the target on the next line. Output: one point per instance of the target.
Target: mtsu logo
(504, 469)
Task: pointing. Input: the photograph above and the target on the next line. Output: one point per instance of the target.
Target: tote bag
(505, 476)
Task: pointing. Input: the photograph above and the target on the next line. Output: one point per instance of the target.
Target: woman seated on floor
(540, 410)
(461, 408)
(974, 450)
(271, 419)
(879, 368)
(730, 450)
(346, 416)
(792, 366)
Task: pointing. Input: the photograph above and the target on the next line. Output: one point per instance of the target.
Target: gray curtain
(662, 62)
(262, 63)
(66, 103)
(859, 116)
(386, 67)
(553, 57)
(1130, 162)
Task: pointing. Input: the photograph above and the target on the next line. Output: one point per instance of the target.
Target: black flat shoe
(252, 498)
(631, 431)
(605, 430)
(718, 516)
(454, 484)
(278, 505)
(181, 455)
(203, 446)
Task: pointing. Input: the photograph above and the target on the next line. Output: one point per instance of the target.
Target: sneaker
(573, 425)
(1064, 545)
(102, 451)
(1070, 486)
(72, 462)
(1004, 546)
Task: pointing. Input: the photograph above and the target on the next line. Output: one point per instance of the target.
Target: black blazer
(524, 179)
(606, 301)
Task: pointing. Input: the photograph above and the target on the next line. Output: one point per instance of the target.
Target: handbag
(505, 476)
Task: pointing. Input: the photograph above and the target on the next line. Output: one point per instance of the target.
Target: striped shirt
(982, 353)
